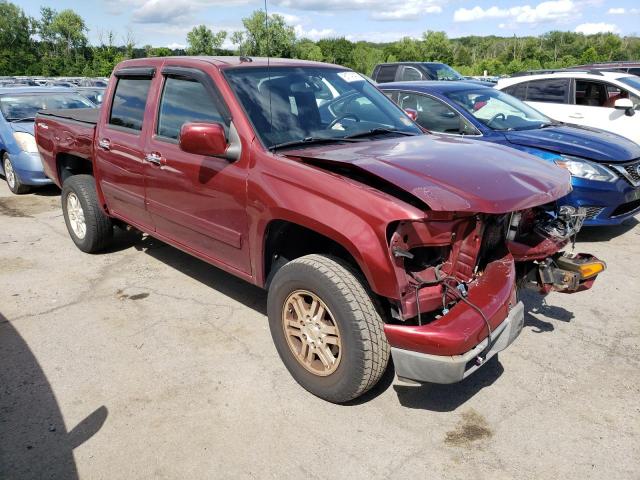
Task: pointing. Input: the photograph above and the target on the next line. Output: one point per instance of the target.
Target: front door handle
(154, 158)
(576, 115)
(104, 144)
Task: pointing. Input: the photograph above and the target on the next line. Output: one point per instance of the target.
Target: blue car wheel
(11, 176)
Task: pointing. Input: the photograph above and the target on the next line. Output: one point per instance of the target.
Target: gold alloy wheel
(311, 332)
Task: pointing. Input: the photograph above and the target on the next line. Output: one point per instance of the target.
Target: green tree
(436, 47)
(17, 51)
(69, 30)
(265, 36)
(307, 50)
(365, 57)
(202, 41)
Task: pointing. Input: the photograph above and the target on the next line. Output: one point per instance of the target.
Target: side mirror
(626, 105)
(203, 139)
(411, 113)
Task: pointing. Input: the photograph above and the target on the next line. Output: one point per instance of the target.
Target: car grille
(630, 172)
(593, 212)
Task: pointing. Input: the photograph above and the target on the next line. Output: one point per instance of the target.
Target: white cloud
(176, 46)
(616, 11)
(551, 11)
(288, 18)
(313, 33)
(593, 28)
(169, 12)
(378, 9)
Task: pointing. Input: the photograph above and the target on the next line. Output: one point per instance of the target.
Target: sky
(165, 23)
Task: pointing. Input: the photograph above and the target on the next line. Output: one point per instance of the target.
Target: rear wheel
(89, 227)
(326, 328)
(10, 175)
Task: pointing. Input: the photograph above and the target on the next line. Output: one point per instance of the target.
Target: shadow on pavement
(534, 303)
(446, 398)
(46, 191)
(604, 234)
(34, 442)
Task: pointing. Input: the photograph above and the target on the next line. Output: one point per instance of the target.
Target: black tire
(18, 187)
(99, 227)
(365, 351)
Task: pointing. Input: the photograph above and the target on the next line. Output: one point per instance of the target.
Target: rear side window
(129, 102)
(386, 73)
(519, 91)
(550, 91)
(185, 101)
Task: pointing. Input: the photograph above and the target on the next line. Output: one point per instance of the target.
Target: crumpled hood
(452, 174)
(27, 127)
(584, 142)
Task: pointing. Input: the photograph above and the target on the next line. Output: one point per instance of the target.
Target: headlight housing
(582, 168)
(26, 142)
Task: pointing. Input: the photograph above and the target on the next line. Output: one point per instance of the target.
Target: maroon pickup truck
(373, 239)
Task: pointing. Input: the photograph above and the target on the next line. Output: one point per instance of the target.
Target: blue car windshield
(288, 105)
(499, 110)
(24, 106)
(442, 71)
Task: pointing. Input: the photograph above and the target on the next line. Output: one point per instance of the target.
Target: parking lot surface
(144, 362)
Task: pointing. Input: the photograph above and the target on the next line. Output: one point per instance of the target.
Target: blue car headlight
(582, 168)
(26, 142)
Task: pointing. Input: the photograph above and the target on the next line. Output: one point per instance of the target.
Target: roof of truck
(231, 61)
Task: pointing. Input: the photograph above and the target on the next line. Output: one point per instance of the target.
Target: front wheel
(10, 175)
(89, 227)
(326, 328)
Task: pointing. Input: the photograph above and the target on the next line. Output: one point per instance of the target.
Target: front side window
(549, 91)
(436, 116)
(288, 104)
(129, 102)
(185, 101)
(410, 74)
(591, 94)
(499, 110)
(25, 106)
(633, 82)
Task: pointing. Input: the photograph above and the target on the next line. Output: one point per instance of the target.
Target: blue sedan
(605, 167)
(20, 162)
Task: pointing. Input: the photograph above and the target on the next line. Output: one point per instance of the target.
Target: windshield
(633, 82)
(291, 104)
(442, 71)
(499, 110)
(25, 106)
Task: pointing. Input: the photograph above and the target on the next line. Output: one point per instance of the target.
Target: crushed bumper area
(423, 367)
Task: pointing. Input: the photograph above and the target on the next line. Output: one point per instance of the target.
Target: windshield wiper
(14, 120)
(549, 124)
(310, 141)
(378, 131)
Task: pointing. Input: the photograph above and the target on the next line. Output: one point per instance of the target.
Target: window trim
(121, 128)
(197, 75)
(455, 109)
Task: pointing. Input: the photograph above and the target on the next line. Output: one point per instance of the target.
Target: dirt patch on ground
(472, 428)
(27, 206)
(15, 264)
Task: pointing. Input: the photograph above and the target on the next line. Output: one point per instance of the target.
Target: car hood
(584, 142)
(451, 174)
(27, 127)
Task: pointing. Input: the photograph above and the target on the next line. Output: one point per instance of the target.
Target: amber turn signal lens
(591, 269)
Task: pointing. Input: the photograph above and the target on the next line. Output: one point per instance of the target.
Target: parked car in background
(20, 161)
(303, 178)
(605, 100)
(625, 67)
(95, 94)
(60, 83)
(604, 166)
(413, 71)
(93, 82)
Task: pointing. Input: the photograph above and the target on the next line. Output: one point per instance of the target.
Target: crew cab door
(119, 153)
(195, 201)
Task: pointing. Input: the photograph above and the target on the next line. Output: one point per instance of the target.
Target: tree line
(56, 44)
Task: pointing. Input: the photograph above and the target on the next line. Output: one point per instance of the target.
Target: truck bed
(65, 138)
(84, 115)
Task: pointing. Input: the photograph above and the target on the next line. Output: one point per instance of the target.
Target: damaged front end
(458, 276)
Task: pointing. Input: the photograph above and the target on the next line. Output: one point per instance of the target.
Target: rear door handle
(104, 144)
(576, 115)
(154, 158)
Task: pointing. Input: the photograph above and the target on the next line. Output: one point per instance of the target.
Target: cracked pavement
(144, 362)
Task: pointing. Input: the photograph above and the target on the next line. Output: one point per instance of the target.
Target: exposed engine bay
(439, 260)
